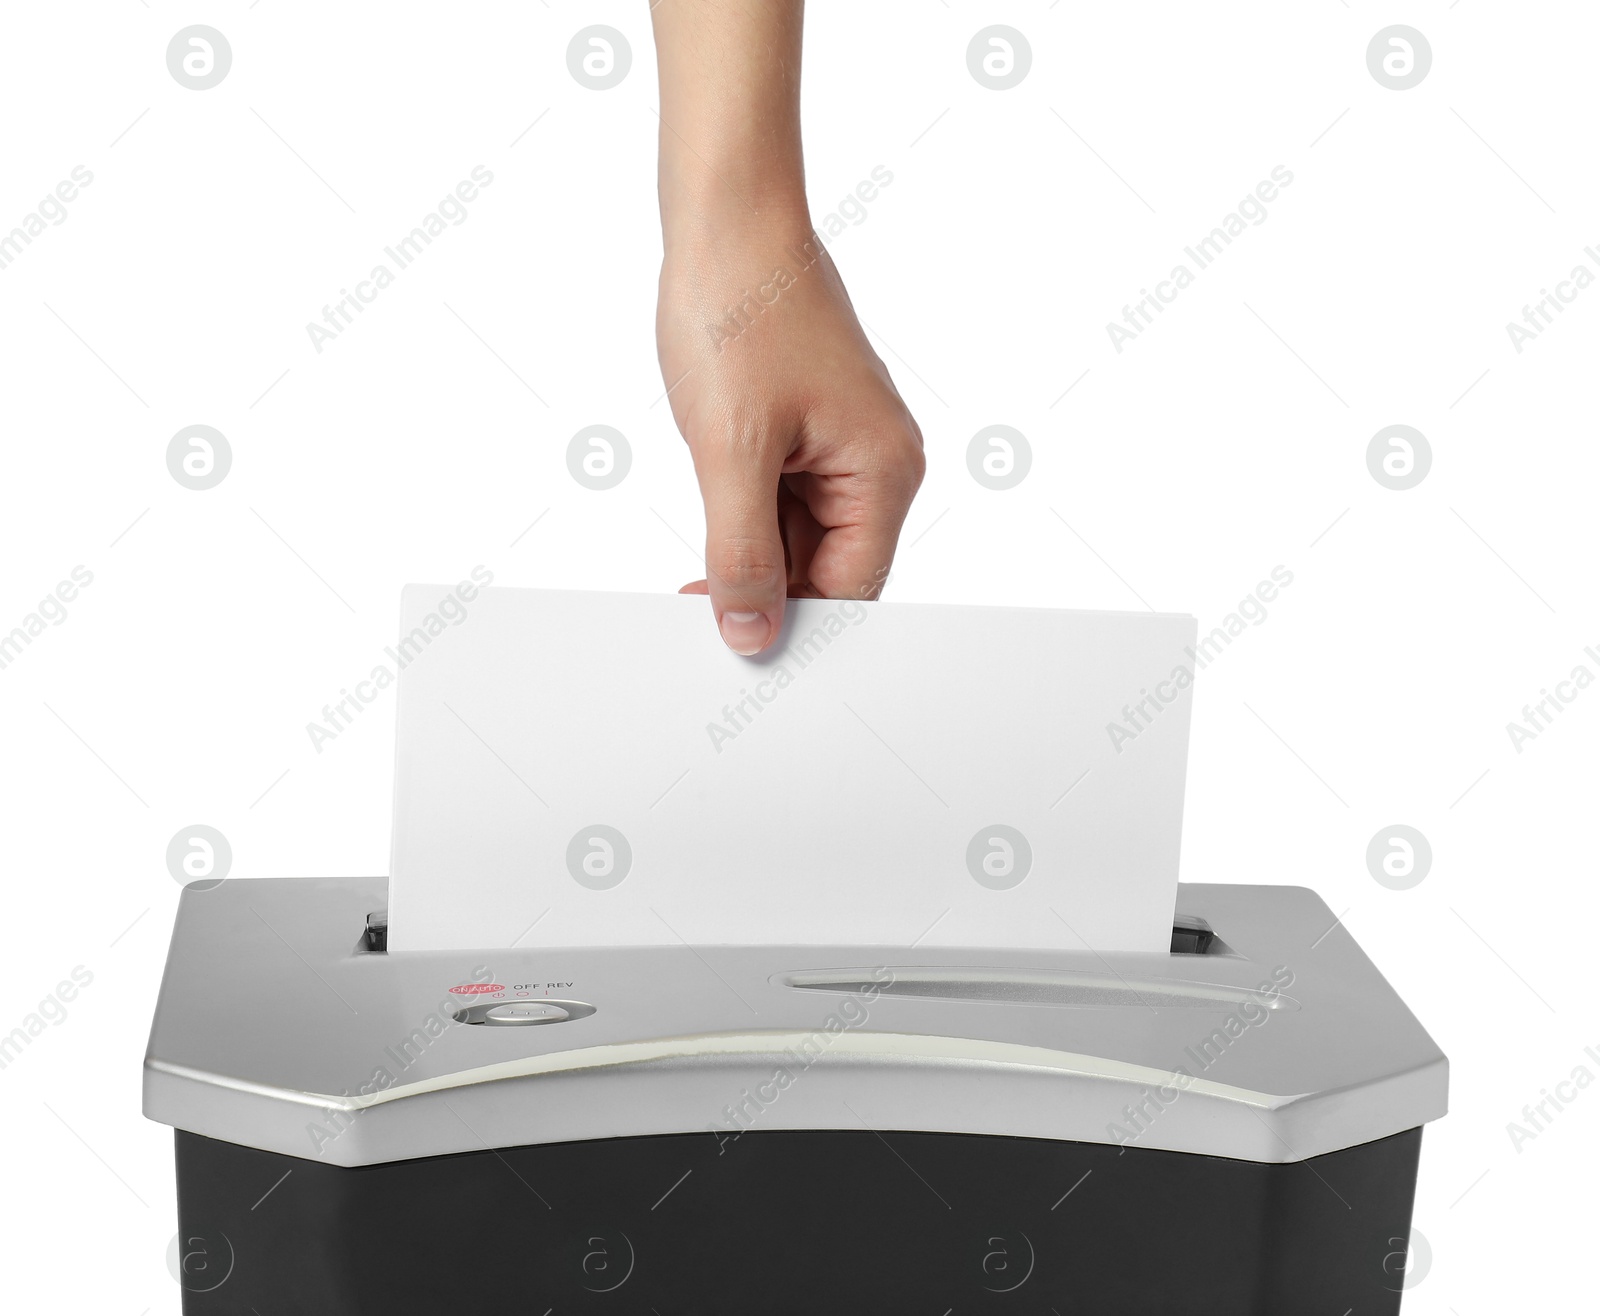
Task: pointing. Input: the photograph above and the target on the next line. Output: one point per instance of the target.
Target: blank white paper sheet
(579, 768)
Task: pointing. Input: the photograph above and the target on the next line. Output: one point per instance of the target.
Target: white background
(1228, 439)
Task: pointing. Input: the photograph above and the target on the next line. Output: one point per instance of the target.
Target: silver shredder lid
(279, 1028)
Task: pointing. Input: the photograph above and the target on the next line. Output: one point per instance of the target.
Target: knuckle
(745, 561)
(916, 464)
(898, 458)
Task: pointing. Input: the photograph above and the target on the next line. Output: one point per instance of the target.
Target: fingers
(828, 529)
(745, 568)
(801, 536)
(853, 562)
(862, 515)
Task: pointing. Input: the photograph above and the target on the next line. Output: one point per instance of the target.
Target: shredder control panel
(520, 1005)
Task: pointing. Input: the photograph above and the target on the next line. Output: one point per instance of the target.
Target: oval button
(526, 1012)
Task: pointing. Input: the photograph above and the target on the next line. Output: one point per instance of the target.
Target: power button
(526, 1012)
(522, 1014)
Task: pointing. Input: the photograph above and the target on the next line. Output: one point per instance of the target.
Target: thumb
(746, 575)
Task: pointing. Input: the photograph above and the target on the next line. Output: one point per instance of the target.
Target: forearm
(730, 149)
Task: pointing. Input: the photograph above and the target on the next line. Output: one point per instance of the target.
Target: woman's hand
(807, 458)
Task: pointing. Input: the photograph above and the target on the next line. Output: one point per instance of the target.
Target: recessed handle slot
(1060, 987)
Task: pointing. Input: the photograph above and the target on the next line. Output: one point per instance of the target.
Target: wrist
(730, 197)
(730, 150)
